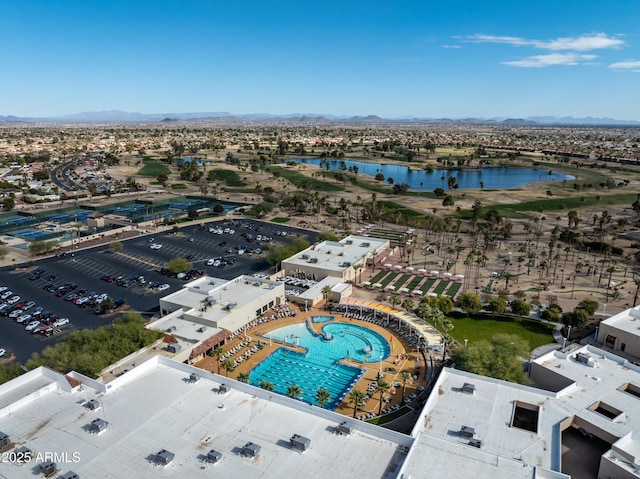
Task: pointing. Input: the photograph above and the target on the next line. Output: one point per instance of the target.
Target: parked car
(32, 325)
(163, 287)
(60, 322)
(13, 300)
(3, 352)
(28, 306)
(16, 313)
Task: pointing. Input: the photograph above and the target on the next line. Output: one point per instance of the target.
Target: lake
(491, 177)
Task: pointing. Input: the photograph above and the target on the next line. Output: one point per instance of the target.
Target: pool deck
(391, 367)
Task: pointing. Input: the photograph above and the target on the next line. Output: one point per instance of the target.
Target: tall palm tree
(267, 386)
(381, 386)
(244, 377)
(405, 378)
(293, 391)
(228, 366)
(356, 397)
(217, 353)
(326, 292)
(322, 396)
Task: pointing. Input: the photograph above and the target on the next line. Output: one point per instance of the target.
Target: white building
(622, 332)
(167, 419)
(336, 259)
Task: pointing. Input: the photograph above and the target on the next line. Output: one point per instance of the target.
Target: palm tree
(243, 377)
(326, 292)
(228, 366)
(267, 386)
(356, 397)
(381, 387)
(322, 396)
(294, 391)
(405, 378)
(217, 353)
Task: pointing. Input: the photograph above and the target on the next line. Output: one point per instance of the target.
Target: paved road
(86, 267)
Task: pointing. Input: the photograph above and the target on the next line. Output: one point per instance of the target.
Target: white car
(25, 318)
(163, 287)
(32, 325)
(14, 300)
(3, 353)
(210, 262)
(3, 288)
(15, 313)
(6, 294)
(155, 246)
(60, 322)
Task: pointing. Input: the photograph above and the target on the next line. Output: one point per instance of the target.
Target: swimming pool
(320, 366)
(321, 319)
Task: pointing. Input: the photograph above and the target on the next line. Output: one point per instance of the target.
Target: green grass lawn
(179, 186)
(453, 289)
(153, 168)
(298, 179)
(280, 219)
(414, 282)
(390, 277)
(484, 328)
(403, 279)
(441, 286)
(230, 177)
(378, 277)
(426, 286)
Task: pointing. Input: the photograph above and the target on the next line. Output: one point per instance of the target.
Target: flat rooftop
(156, 407)
(628, 321)
(336, 256)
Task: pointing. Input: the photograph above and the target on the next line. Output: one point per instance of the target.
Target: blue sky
(450, 58)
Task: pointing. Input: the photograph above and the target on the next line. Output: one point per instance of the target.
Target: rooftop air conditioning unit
(213, 456)
(48, 468)
(223, 388)
(4, 440)
(251, 449)
(97, 426)
(305, 256)
(171, 329)
(70, 475)
(466, 431)
(348, 242)
(299, 443)
(174, 347)
(164, 457)
(475, 443)
(468, 388)
(93, 405)
(344, 428)
(202, 329)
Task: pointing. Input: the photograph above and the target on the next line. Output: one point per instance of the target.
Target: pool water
(322, 319)
(320, 366)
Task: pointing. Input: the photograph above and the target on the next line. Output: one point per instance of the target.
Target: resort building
(340, 260)
(621, 332)
(208, 310)
(167, 419)
(582, 424)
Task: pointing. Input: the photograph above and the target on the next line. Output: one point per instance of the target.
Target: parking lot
(232, 252)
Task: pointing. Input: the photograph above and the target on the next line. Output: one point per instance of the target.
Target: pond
(488, 177)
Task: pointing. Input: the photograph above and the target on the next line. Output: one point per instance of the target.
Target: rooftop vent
(202, 329)
(213, 456)
(313, 260)
(348, 242)
(341, 253)
(468, 388)
(299, 443)
(330, 252)
(223, 388)
(92, 405)
(97, 426)
(250, 449)
(475, 443)
(164, 457)
(344, 428)
(466, 431)
(174, 347)
(70, 475)
(586, 359)
(4, 440)
(193, 378)
(305, 256)
(347, 263)
(48, 468)
(171, 329)
(365, 245)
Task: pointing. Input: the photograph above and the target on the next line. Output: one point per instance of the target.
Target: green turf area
(453, 289)
(230, 177)
(427, 285)
(403, 279)
(441, 286)
(390, 277)
(484, 328)
(153, 168)
(378, 277)
(280, 219)
(179, 186)
(298, 179)
(414, 282)
(580, 200)
(389, 417)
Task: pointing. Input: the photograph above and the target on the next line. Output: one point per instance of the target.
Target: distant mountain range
(222, 118)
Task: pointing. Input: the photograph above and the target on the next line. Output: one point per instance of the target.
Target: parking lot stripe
(138, 260)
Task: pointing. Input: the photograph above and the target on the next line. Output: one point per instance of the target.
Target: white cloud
(581, 43)
(451, 46)
(551, 59)
(627, 64)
